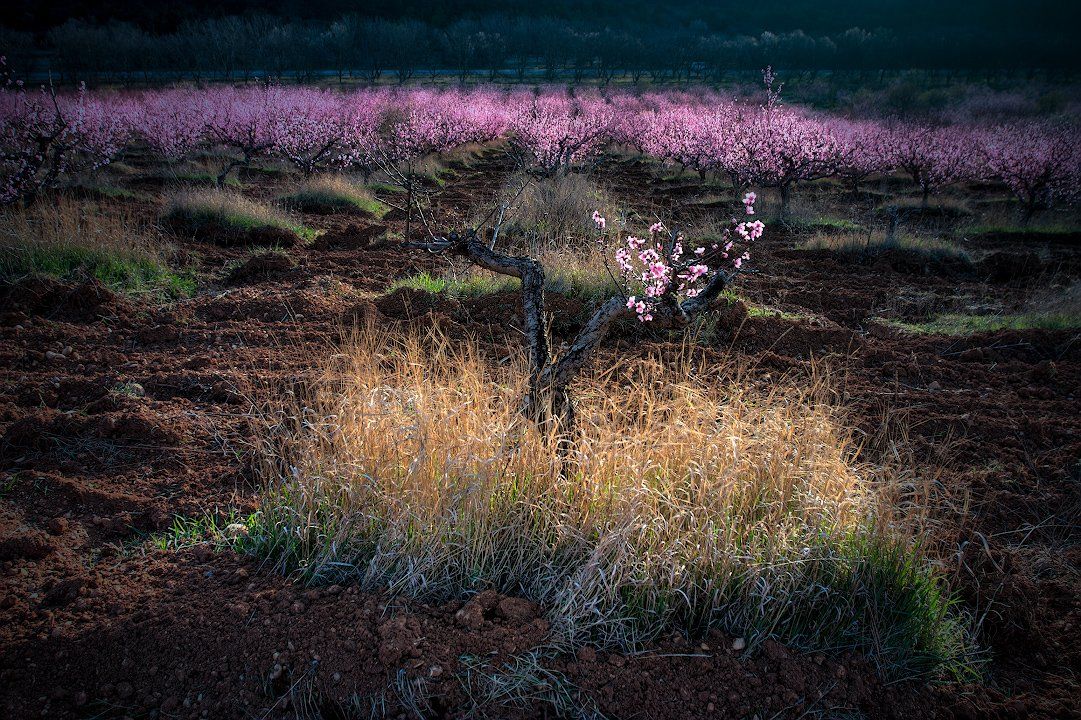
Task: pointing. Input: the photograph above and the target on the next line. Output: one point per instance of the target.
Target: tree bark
(786, 196)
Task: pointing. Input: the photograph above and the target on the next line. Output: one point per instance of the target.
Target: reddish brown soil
(96, 623)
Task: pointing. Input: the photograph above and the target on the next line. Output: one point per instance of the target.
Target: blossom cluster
(661, 270)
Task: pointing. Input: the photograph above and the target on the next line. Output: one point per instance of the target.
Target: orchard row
(45, 138)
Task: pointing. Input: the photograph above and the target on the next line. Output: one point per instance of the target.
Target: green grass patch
(106, 192)
(335, 194)
(959, 324)
(569, 281)
(474, 285)
(1035, 231)
(206, 179)
(825, 224)
(857, 244)
(231, 531)
(386, 188)
(124, 272)
(198, 212)
(70, 241)
(7, 484)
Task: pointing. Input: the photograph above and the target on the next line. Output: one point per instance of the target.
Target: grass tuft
(521, 683)
(872, 244)
(72, 241)
(553, 212)
(825, 224)
(1035, 231)
(385, 188)
(960, 324)
(217, 533)
(197, 211)
(335, 193)
(690, 504)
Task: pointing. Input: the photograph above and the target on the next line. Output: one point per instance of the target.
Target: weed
(194, 211)
(219, 533)
(7, 484)
(520, 683)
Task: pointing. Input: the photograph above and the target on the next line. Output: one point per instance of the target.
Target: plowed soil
(117, 415)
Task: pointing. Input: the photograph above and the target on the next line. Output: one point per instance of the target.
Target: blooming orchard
(932, 157)
(47, 137)
(44, 137)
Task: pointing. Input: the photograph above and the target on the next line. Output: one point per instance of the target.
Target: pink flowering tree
(1040, 165)
(171, 122)
(363, 116)
(246, 122)
(667, 280)
(933, 157)
(428, 122)
(863, 150)
(700, 139)
(312, 130)
(664, 274)
(46, 137)
(781, 147)
(553, 132)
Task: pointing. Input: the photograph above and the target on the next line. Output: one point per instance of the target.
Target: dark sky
(1055, 18)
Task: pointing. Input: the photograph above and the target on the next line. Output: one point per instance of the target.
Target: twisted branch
(548, 403)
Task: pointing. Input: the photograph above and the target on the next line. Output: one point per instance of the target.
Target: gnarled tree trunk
(548, 403)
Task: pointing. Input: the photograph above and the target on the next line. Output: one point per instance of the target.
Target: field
(264, 449)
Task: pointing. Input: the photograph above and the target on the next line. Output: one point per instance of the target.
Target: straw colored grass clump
(328, 194)
(72, 240)
(690, 501)
(225, 215)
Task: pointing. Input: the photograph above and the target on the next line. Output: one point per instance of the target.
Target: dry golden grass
(69, 222)
(692, 501)
(553, 212)
(191, 210)
(224, 203)
(69, 239)
(335, 193)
